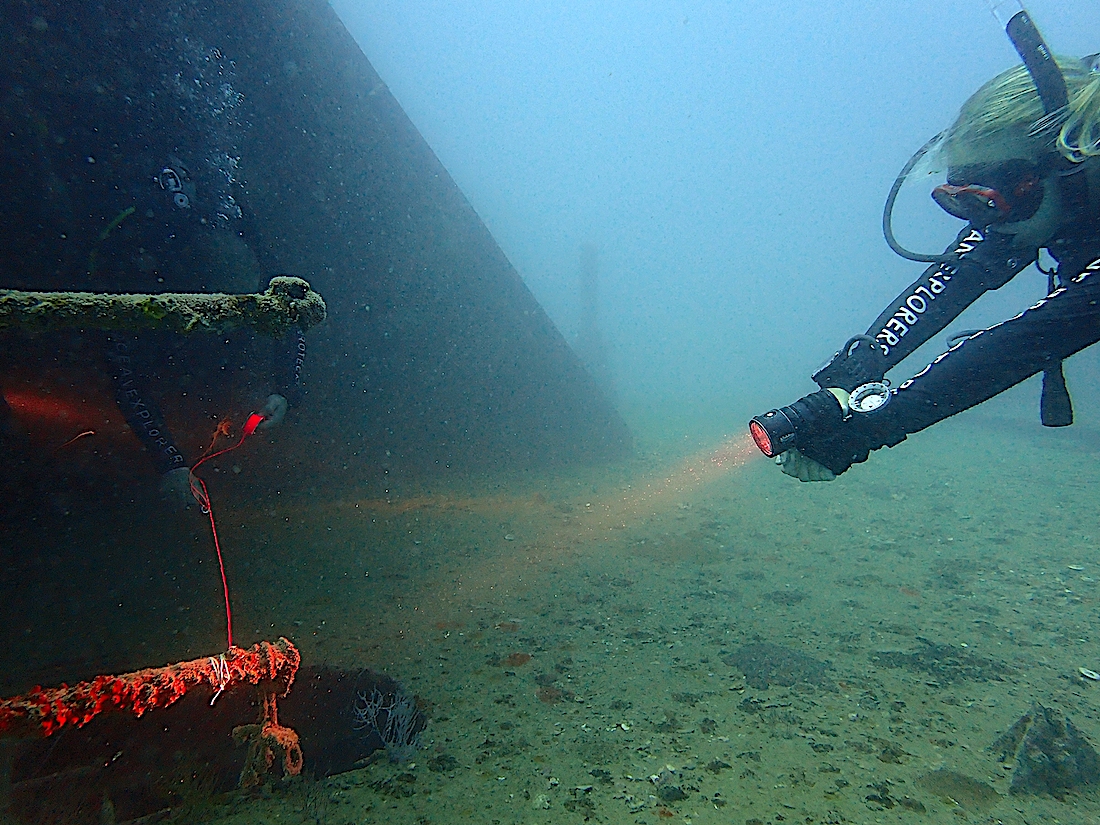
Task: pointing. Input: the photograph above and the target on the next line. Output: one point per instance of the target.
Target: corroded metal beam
(287, 302)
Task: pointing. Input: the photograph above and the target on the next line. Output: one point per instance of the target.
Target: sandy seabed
(584, 643)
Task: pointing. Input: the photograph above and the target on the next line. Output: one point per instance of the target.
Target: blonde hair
(1008, 108)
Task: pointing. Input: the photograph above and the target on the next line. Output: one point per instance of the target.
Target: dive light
(813, 415)
(777, 431)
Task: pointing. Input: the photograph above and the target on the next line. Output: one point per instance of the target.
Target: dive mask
(990, 193)
(1008, 191)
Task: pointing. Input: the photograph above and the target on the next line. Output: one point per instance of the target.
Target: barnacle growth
(287, 303)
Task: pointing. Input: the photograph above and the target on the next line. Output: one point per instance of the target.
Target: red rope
(198, 490)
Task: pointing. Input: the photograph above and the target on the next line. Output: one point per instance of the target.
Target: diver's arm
(977, 262)
(978, 367)
(288, 359)
(139, 409)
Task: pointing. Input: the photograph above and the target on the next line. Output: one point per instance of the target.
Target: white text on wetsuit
(915, 305)
(140, 416)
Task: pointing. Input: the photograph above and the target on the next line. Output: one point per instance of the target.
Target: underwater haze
(472, 570)
(727, 161)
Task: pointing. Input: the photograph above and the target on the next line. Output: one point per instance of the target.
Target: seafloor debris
(1052, 757)
(765, 664)
(945, 664)
(960, 790)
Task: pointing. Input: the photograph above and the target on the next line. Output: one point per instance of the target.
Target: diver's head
(1005, 155)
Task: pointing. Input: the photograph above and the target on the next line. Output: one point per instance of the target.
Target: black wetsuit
(129, 363)
(977, 367)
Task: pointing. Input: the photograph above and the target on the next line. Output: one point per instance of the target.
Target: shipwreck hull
(435, 359)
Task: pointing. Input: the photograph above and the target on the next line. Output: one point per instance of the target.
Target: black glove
(852, 440)
(838, 450)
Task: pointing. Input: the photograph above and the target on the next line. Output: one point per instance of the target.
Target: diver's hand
(273, 412)
(796, 465)
(175, 489)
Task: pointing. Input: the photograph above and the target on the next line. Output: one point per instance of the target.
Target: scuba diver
(1023, 170)
(146, 421)
(179, 242)
(133, 189)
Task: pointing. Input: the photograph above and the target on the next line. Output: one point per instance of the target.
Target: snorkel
(1034, 53)
(969, 198)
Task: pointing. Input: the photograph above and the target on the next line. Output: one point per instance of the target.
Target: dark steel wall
(435, 359)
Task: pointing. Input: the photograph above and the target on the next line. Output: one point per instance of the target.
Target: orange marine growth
(264, 741)
(45, 710)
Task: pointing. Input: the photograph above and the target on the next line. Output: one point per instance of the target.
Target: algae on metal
(287, 302)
